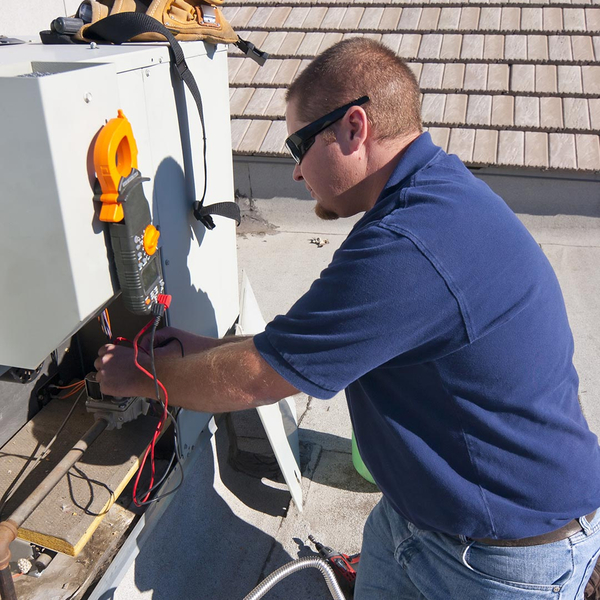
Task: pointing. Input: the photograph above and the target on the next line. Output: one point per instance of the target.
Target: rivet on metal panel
(87, 97)
(147, 73)
(160, 59)
(93, 46)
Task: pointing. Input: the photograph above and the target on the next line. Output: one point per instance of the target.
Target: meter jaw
(115, 156)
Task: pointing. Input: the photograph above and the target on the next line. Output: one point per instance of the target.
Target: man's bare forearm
(193, 344)
(228, 377)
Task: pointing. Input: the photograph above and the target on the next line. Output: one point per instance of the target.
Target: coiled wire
(297, 565)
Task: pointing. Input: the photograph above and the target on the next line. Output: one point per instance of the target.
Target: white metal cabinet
(54, 266)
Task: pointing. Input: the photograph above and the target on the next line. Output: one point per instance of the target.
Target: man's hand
(118, 375)
(230, 375)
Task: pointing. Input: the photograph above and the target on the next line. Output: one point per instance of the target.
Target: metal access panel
(55, 264)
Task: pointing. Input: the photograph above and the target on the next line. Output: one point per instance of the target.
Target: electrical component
(116, 411)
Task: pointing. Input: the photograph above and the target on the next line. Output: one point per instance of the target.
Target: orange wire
(74, 391)
(66, 387)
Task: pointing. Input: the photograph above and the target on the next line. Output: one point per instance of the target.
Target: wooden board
(83, 570)
(72, 511)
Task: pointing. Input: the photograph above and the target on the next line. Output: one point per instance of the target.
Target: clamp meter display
(124, 206)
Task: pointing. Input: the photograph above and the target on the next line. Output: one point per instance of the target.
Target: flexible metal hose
(296, 565)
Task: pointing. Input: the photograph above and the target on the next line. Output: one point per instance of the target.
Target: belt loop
(587, 528)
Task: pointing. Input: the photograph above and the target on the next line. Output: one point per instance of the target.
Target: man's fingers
(105, 349)
(98, 366)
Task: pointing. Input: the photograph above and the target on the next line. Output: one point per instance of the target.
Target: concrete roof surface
(510, 84)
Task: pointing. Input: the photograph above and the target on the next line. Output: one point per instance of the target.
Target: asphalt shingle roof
(507, 83)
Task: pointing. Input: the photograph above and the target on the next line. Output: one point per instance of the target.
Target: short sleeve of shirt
(379, 300)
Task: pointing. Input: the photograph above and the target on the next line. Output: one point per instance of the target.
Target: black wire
(175, 455)
(152, 363)
(29, 469)
(169, 340)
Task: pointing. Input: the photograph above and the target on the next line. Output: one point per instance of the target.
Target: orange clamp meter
(125, 208)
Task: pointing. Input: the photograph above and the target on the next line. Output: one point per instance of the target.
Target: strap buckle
(205, 219)
(250, 50)
(182, 68)
(230, 210)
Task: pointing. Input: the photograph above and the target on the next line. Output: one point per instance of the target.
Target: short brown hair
(354, 68)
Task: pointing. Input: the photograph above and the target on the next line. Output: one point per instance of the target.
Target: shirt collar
(418, 154)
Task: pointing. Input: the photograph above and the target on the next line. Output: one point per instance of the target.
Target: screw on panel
(87, 97)
(93, 46)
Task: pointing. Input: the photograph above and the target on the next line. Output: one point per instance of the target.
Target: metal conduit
(302, 563)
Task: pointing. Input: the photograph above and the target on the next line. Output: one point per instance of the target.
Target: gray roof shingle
(504, 82)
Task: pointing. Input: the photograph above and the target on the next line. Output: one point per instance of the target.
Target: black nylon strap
(224, 209)
(121, 28)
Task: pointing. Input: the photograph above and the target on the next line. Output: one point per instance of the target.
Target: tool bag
(187, 20)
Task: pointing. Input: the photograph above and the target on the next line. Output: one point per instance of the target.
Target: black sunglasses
(299, 142)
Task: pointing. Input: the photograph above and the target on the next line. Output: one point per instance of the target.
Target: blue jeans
(401, 562)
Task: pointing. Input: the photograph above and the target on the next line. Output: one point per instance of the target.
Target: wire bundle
(105, 323)
(164, 403)
(74, 388)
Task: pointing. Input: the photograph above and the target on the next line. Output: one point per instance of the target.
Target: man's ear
(354, 129)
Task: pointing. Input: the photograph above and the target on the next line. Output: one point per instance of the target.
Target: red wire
(150, 449)
(120, 340)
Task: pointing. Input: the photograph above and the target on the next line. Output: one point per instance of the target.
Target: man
(444, 322)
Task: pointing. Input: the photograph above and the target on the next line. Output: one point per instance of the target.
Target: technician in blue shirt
(444, 322)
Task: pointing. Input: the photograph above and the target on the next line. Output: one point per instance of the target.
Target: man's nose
(297, 174)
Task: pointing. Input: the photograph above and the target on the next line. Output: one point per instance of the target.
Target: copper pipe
(8, 528)
(8, 532)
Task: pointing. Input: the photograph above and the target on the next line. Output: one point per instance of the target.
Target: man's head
(366, 134)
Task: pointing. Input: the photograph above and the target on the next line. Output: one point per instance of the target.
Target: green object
(359, 465)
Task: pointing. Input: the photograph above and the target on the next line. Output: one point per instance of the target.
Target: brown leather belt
(571, 528)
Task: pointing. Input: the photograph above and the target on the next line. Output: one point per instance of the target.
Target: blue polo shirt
(444, 322)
